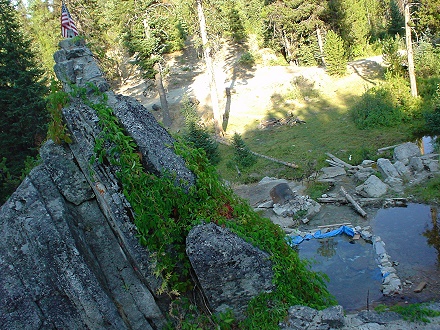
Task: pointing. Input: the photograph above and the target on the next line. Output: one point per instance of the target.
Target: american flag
(68, 28)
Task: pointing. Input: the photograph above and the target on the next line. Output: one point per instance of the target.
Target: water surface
(351, 267)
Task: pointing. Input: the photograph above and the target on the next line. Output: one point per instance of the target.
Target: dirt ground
(253, 89)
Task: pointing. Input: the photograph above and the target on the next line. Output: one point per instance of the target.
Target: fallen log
(292, 165)
(353, 202)
(380, 150)
(340, 161)
(289, 164)
(387, 202)
(333, 163)
(336, 225)
(332, 200)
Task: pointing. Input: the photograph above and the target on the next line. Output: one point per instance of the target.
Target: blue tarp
(295, 240)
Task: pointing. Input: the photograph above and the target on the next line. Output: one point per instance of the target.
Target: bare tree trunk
(210, 70)
(288, 47)
(409, 50)
(163, 97)
(320, 44)
(159, 83)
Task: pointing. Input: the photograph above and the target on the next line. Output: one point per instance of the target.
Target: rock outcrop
(69, 254)
(230, 271)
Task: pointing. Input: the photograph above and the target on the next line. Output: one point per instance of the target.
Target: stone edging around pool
(391, 283)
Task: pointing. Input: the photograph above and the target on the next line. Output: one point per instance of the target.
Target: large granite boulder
(405, 152)
(230, 271)
(386, 168)
(372, 187)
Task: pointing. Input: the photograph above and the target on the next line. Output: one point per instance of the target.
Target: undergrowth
(428, 192)
(165, 212)
(56, 100)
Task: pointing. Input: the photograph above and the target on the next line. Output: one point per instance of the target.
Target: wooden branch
(354, 203)
(292, 165)
(332, 200)
(387, 148)
(340, 161)
(333, 163)
(336, 225)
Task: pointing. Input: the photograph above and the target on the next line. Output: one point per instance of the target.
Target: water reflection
(352, 269)
(327, 247)
(426, 144)
(411, 237)
(433, 235)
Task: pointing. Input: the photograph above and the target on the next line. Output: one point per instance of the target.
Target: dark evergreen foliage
(335, 60)
(236, 26)
(23, 118)
(200, 138)
(242, 155)
(397, 23)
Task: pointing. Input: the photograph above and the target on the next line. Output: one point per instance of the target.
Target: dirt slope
(253, 90)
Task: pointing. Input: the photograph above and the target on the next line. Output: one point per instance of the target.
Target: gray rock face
(331, 172)
(303, 317)
(230, 271)
(372, 187)
(69, 256)
(416, 164)
(44, 283)
(401, 169)
(386, 168)
(406, 151)
(65, 174)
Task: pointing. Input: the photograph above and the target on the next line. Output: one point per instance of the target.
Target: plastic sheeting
(295, 240)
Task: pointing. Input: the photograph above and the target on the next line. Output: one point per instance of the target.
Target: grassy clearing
(328, 128)
(412, 312)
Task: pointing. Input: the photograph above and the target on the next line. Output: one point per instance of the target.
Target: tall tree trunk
(288, 48)
(409, 50)
(210, 70)
(320, 44)
(159, 83)
(163, 97)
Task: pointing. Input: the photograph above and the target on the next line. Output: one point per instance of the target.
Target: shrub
(427, 60)
(433, 118)
(387, 105)
(391, 56)
(57, 99)
(247, 59)
(376, 108)
(242, 155)
(197, 134)
(335, 60)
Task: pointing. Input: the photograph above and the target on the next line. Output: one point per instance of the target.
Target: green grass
(428, 192)
(412, 312)
(328, 128)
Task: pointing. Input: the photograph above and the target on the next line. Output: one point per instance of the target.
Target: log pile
(289, 120)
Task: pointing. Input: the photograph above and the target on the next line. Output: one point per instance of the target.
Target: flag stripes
(68, 28)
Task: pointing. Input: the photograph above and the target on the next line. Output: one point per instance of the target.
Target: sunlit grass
(328, 128)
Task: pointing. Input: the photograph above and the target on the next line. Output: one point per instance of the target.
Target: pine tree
(335, 59)
(23, 117)
(397, 22)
